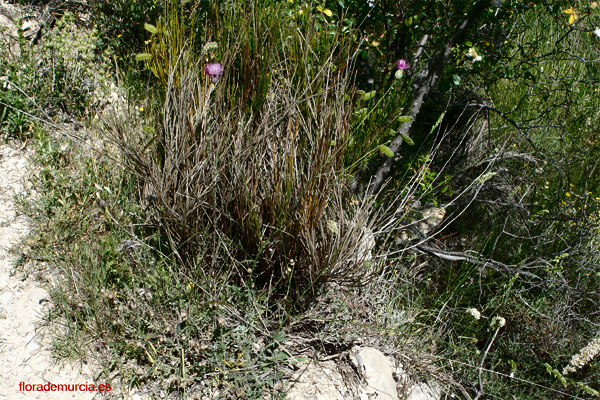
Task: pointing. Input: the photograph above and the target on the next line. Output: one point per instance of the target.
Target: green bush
(64, 75)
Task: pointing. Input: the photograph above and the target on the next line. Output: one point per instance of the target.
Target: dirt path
(24, 351)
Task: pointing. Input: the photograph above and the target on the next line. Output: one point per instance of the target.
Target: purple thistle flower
(402, 64)
(214, 71)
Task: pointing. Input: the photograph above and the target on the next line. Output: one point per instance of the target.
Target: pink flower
(402, 64)
(214, 71)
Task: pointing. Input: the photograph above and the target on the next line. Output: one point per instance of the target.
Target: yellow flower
(567, 194)
(573, 15)
(141, 109)
(325, 11)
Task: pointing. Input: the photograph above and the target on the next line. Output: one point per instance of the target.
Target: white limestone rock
(425, 391)
(377, 372)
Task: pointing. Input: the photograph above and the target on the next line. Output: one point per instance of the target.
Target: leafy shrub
(63, 74)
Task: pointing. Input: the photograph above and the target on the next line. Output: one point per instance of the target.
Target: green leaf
(386, 150)
(368, 96)
(143, 57)
(279, 356)
(563, 380)
(407, 139)
(150, 28)
(361, 114)
(279, 336)
(456, 79)
(404, 119)
(588, 389)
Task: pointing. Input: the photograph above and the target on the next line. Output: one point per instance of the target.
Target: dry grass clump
(262, 193)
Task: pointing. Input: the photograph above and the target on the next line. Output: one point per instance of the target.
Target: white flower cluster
(497, 322)
(472, 53)
(584, 356)
(209, 47)
(474, 312)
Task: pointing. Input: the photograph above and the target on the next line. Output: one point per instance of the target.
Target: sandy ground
(24, 350)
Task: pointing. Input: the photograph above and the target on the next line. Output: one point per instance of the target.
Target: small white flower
(474, 55)
(6, 83)
(209, 47)
(475, 313)
(597, 32)
(497, 322)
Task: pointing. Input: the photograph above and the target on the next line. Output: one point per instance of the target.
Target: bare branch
(476, 258)
(434, 70)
